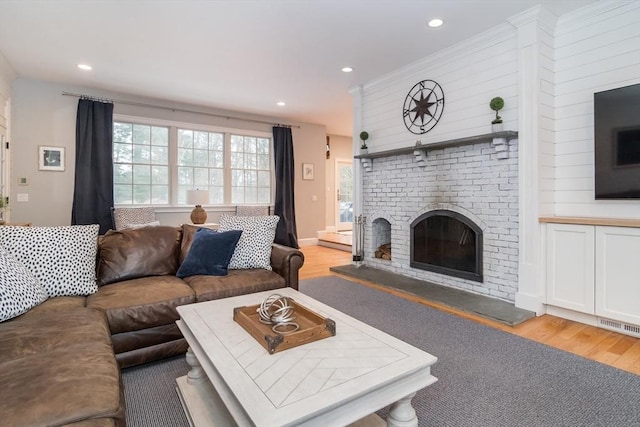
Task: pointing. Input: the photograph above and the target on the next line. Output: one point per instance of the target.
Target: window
(250, 170)
(140, 164)
(156, 165)
(201, 164)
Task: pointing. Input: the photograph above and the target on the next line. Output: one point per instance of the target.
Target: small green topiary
(364, 136)
(496, 104)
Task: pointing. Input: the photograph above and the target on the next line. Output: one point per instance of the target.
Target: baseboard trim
(334, 245)
(312, 241)
(587, 319)
(530, 302)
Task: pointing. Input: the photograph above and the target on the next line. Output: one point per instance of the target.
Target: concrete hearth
(490, 308)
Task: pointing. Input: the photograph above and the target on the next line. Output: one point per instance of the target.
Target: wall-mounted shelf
(499, 140)
(611, 222)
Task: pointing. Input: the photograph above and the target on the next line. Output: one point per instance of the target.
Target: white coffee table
(331, 382)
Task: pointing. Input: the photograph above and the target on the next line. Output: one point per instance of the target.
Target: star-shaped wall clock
(423, 107)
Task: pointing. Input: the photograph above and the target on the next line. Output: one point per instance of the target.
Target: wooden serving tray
(313, 327)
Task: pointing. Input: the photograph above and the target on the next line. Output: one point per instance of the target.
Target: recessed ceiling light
(85, 67)
(280, 104)
(436, 22)
(347, 69)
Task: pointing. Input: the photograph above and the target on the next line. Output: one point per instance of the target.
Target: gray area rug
(486, 377)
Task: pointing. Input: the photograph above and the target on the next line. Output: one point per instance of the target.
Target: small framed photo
(50, 158)
(307, 171)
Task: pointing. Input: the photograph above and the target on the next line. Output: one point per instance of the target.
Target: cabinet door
(618, 273)
(570, 267)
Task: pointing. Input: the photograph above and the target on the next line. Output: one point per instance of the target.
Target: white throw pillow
(254, 247)
(63, 258)
(126, 217)
(20, 291)
(150, 224)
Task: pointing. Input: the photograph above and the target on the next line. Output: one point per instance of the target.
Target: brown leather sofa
(59, 362)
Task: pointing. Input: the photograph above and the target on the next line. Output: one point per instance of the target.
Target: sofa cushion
(19, 289)
(188, 233)
(254, 247)
(58, 305)
(57, 367)
(62, 386)
(210, 253)
(63, 259)
(29, 335)
(133, 253)
(95, 422)
(142, 303)
(237, 282)
(143, 338)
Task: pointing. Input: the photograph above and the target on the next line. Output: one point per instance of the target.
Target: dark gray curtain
(284, 206)
(93, 191)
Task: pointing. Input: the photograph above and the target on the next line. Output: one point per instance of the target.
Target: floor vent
(623, 328)
(633, 329)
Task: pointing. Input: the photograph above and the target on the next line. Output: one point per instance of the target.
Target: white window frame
(173, 151)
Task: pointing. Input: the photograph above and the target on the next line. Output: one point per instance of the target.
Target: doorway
(344, 195)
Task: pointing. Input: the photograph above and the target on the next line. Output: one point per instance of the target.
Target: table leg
(402, 414)
(196, 373)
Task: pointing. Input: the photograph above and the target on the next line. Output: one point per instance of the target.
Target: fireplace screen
(447, 242)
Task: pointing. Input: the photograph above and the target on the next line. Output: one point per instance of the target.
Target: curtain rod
(182, 110)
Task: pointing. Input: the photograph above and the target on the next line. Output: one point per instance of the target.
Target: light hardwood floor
(611, 348)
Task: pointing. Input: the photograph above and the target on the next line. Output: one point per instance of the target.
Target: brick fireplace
(470, 190)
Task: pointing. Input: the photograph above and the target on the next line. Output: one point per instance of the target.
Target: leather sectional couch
(60, 361)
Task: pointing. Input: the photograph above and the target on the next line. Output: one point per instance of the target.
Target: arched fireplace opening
(382, 238)
(447, 242)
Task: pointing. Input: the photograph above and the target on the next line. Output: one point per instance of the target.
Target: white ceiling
(242, 55)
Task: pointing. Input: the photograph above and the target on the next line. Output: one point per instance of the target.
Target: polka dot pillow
(254, 247)
(20, 291)
(63, 259)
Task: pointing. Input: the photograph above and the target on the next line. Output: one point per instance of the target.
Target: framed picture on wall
(50, 158)
(307, 171)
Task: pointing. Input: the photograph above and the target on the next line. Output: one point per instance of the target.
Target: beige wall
(42, 116)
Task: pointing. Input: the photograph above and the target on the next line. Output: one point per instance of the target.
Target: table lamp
(198, 198)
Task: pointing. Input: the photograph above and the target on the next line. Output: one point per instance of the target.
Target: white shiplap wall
(596, 49)
(470, 74)
(546, 125)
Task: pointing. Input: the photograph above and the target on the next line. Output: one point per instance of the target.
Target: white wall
(547, 69)
(470, 74)
(596, 49)
(43, 116)
(593, 49)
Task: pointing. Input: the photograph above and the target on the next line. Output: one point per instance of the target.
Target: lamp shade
(198, 197)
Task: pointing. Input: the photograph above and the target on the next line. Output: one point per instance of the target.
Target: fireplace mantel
(499, 140)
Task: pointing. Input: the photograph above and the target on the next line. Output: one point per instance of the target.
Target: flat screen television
(617, 143)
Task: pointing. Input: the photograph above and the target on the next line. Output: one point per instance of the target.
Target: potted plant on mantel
(496, 104)
(363, 146)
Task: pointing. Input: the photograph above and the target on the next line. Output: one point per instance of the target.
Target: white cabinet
(618, 273)
(570, 267)
(595, 270)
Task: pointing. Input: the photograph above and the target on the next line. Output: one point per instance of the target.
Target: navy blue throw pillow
(210, 253)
